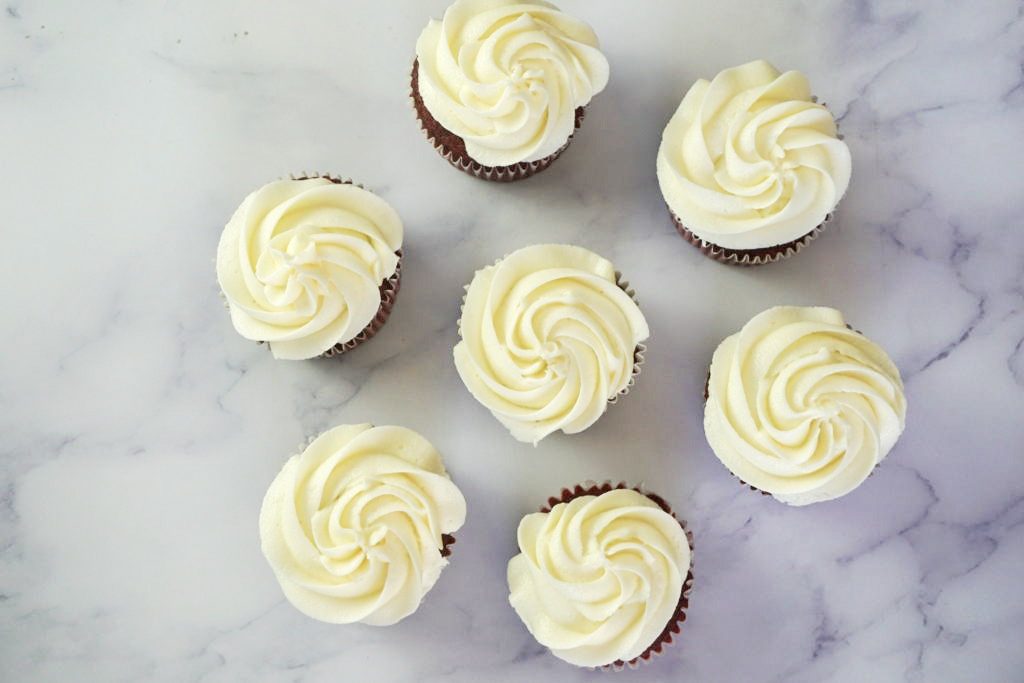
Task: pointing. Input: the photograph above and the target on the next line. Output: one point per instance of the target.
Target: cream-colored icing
(352, 527)
(301, 263)
(749, 160)
(802, 407)
(598, 578)
(548, 337)
(507, 77)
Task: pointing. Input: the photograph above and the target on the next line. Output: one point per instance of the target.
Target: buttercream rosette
(800, 406)
(499, 87)
(358, 526)
(751, 166)
(603, 576)
(551, 335)
(310, 265)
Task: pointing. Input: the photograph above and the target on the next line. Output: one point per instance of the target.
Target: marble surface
(139, 432)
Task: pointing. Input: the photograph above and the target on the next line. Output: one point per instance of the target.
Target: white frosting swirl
(548, 338)
(802, 407)
(750, 161)
(301, 263)
(507, 77)
(352, 527)
(599, 578)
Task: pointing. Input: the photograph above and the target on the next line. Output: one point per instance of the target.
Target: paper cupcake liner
(447, 541)
(388, 289)
(674, 625)
(747, 257)
(453, 148)
(638, 352)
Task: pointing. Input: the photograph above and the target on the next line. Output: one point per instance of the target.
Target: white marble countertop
(139, 432)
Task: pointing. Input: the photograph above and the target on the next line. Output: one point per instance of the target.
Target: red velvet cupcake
(311, 265)
(751, 166)
(499, 88)
(584, 561)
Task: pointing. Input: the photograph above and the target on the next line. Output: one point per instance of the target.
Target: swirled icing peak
(507, 76)
(352, 527)
(598, 578)
(301, 263)
(749, 160)
(548, 338)
(802, 407)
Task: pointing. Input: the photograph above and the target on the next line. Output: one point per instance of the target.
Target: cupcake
(751, 166)
(603, 575)
(357, 527)
(802, 407)
(310, 265)
(550, 336)
(499, 86)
